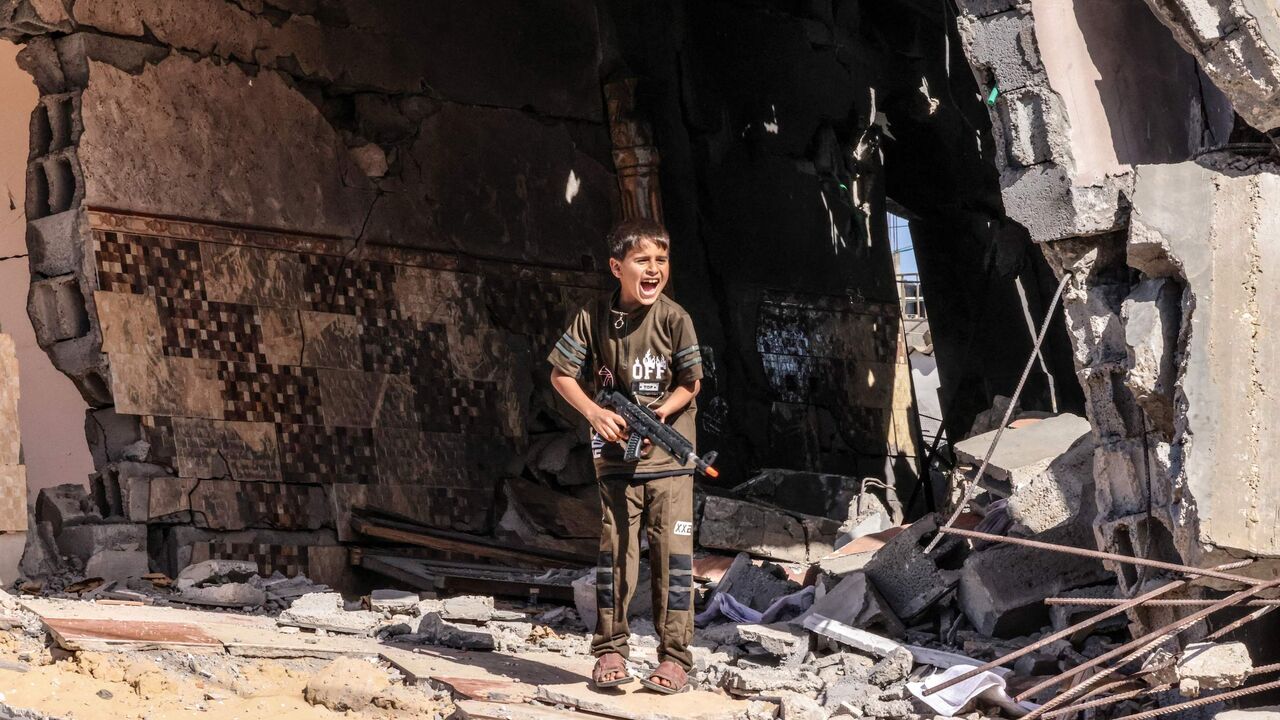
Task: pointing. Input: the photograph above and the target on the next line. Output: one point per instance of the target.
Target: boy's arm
(609, 424)
(679, 399)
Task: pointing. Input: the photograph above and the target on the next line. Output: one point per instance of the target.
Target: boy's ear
(615, 267)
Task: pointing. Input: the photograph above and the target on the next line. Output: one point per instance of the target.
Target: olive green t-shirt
(645, 354)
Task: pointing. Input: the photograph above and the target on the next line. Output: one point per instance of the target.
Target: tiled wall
(284, 364)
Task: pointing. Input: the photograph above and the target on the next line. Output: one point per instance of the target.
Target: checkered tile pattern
(288, 559)
(427, 394)
(211, 330)
(279, 505)
(148, 265)
(318, 454)
(286, 394)
(339, 285)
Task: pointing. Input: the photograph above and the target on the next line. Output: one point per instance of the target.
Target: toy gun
(645, 425)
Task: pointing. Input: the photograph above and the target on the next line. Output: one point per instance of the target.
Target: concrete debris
(65, 506)
(85, 541)
(326, 611)
(908, 579)
(1025, 451)
(1002, 588)
(346, 684)
(854, 601)
(779, 640)
(119, 565)
(756, 586)
(393, 601)
(741, 526)
(1211, 666)
(211, 572)
(438, 631)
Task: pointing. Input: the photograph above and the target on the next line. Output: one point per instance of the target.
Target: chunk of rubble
(231, 595)
(285, 590)
(1210, 666)
(756, 586)
(856, 602)
(908, 579)
(1002, 588)
(325, 611)
(346, 684)
(66, 505)
(216, 572)
(741, 526)
(85, 541)
(779, 640)
(393, 601)
(118, 565)
(753, 680)
(437, 631)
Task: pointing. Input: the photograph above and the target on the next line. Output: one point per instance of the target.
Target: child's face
(642, 274)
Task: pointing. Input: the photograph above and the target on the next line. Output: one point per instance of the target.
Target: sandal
(675, 675)
(606, 664)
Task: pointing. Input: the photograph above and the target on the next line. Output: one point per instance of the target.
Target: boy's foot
(610, 671)
(668, 678)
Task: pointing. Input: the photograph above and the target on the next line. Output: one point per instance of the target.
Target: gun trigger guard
(632, 453)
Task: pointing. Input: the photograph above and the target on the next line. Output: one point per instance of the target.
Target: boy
(642, 343)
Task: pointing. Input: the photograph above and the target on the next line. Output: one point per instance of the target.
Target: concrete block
(215, 572)
(57, 309)
(909, 580)
(740, 526)
(65, 505)
(85, 541)
(1061, 493)
(393, 601)
(1024, 452)
(117, 565)
(438, 631)
(1002, 588)
(326, 611)
(1033, 127)
(755, 586)
(780, 640)
(471, 608)
(1005, 45)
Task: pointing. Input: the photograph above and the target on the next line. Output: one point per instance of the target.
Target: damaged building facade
(303, 260)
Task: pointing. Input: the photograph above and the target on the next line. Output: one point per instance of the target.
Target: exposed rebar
(1202, 701)
(1101, 555)
(1129, 651)
(1163, 602)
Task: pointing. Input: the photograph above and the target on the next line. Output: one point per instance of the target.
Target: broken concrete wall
(1238, 45)
(57, 453)
(1074, 86)
(327, 316)
(1165, 260)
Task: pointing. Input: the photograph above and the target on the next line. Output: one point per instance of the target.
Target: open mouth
(649, 288)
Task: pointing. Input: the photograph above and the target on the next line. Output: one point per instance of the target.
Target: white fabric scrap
(950, 702)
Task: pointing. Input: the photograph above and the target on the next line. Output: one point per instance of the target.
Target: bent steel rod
(1100, 555)
(1087, 622)
(1206, 700)
(1129, 651)
(1129, 694)
(1176, 602)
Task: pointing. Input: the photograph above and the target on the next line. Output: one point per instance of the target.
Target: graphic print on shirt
(649, 374)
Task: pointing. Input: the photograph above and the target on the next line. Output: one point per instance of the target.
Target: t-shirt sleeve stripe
(574, 344)
(573, 358)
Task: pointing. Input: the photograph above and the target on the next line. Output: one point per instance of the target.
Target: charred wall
(306, 258)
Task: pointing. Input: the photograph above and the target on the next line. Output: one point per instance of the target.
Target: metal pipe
(1129, 650)
(1100, 555)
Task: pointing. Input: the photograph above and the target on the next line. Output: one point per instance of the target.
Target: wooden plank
(442, 580)
(457, 542)
(112, 635)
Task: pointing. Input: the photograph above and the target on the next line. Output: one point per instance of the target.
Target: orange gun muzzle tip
(712, 472)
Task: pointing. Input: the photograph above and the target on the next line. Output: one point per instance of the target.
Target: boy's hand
(608, 424)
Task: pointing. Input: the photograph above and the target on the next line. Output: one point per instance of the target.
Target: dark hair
(630, 233)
